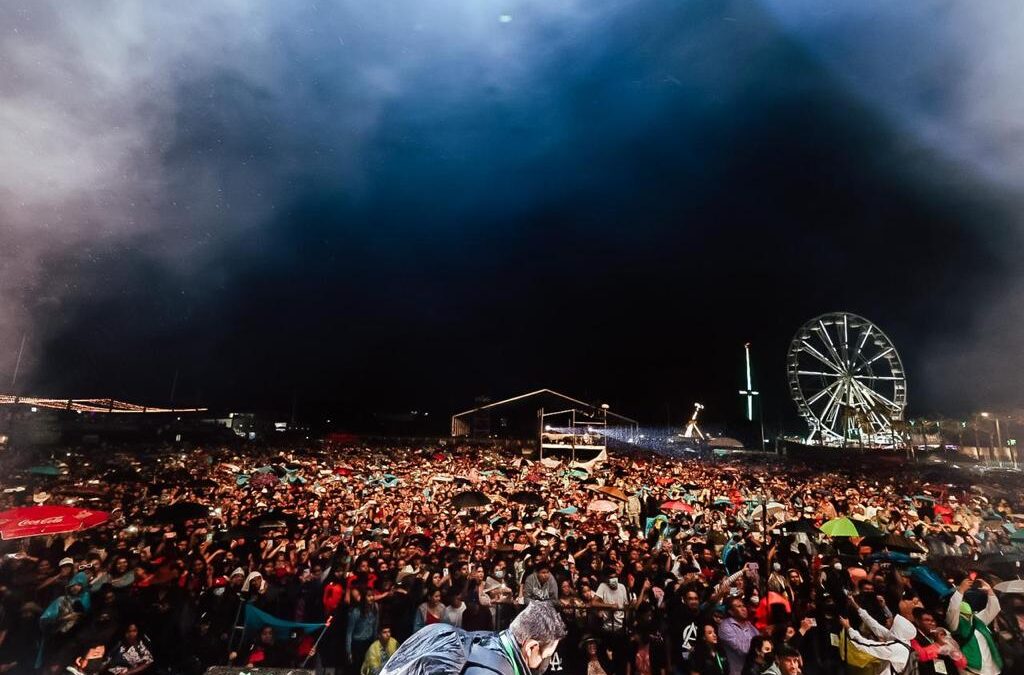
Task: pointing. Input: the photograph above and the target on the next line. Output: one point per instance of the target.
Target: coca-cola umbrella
(31, 521)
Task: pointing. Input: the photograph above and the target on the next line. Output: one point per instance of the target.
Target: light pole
(999, 435)
(750, 393)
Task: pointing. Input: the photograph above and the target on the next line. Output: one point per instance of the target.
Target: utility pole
(174, 387)
(17, 365)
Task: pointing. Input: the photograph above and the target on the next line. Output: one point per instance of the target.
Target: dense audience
(334, 557)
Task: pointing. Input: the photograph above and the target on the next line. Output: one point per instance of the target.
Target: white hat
(66, 561)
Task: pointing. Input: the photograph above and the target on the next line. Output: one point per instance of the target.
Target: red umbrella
(677, 505)
(31, 521)
(665, 480)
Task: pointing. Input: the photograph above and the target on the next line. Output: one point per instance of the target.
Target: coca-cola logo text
(41, 521)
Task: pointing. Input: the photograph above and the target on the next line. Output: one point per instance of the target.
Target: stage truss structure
(847, 381)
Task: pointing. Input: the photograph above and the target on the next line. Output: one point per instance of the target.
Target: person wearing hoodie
(893, 644)
(971, 629)
(222, 604)
(254, 590)
(61, 620)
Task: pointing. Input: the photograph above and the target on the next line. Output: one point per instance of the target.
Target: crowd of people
(334, 557)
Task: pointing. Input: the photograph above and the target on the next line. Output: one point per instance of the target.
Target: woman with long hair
(430, 611)
(708, 657)
(363, 620)
(132, 655)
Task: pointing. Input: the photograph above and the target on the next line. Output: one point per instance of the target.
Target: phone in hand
(972, 575)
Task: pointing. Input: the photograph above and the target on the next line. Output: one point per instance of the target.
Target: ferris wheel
(847, 381)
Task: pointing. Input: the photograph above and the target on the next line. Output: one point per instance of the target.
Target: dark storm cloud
(436, 192)
(948, 77)
(163, 133)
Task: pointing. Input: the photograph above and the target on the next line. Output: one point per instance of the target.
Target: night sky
(407, 203)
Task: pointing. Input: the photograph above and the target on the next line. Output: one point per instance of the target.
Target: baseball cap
(66, 561)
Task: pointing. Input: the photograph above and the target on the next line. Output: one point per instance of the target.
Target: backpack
(442, 649)
(912, 666)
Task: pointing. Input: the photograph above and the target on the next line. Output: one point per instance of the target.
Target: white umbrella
(1015, 586)
(773, 508)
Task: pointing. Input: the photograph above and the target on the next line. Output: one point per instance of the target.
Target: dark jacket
(486, 656)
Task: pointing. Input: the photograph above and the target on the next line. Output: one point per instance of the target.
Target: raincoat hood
(248, 580)
(904, 630)
(81, 579)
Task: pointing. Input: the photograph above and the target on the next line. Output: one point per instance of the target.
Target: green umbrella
(1017, 536)
(45, 470)
(845, 527)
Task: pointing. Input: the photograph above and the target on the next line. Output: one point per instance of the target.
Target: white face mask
(499, 574)
(613, 583)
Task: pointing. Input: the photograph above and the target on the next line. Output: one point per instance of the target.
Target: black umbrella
(896, 542)
(800, 525)
(274, 520)
(203, 483)
(122, 475)
(237, 532)
(470, 499)
(527, 498)
(176, 476)
(82, 491)
(179, 512)
(1003, 564)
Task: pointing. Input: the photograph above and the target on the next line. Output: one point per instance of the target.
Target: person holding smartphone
(971, 629)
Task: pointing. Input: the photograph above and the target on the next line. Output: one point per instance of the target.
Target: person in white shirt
(453, 612)
(970, 629)
(613, 594)
(894, 651)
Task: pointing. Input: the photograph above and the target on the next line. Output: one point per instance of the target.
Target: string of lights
(94, 405)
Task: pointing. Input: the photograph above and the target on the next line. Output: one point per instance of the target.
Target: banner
(256, 619)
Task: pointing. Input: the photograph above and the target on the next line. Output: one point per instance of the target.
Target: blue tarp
(256, 619)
